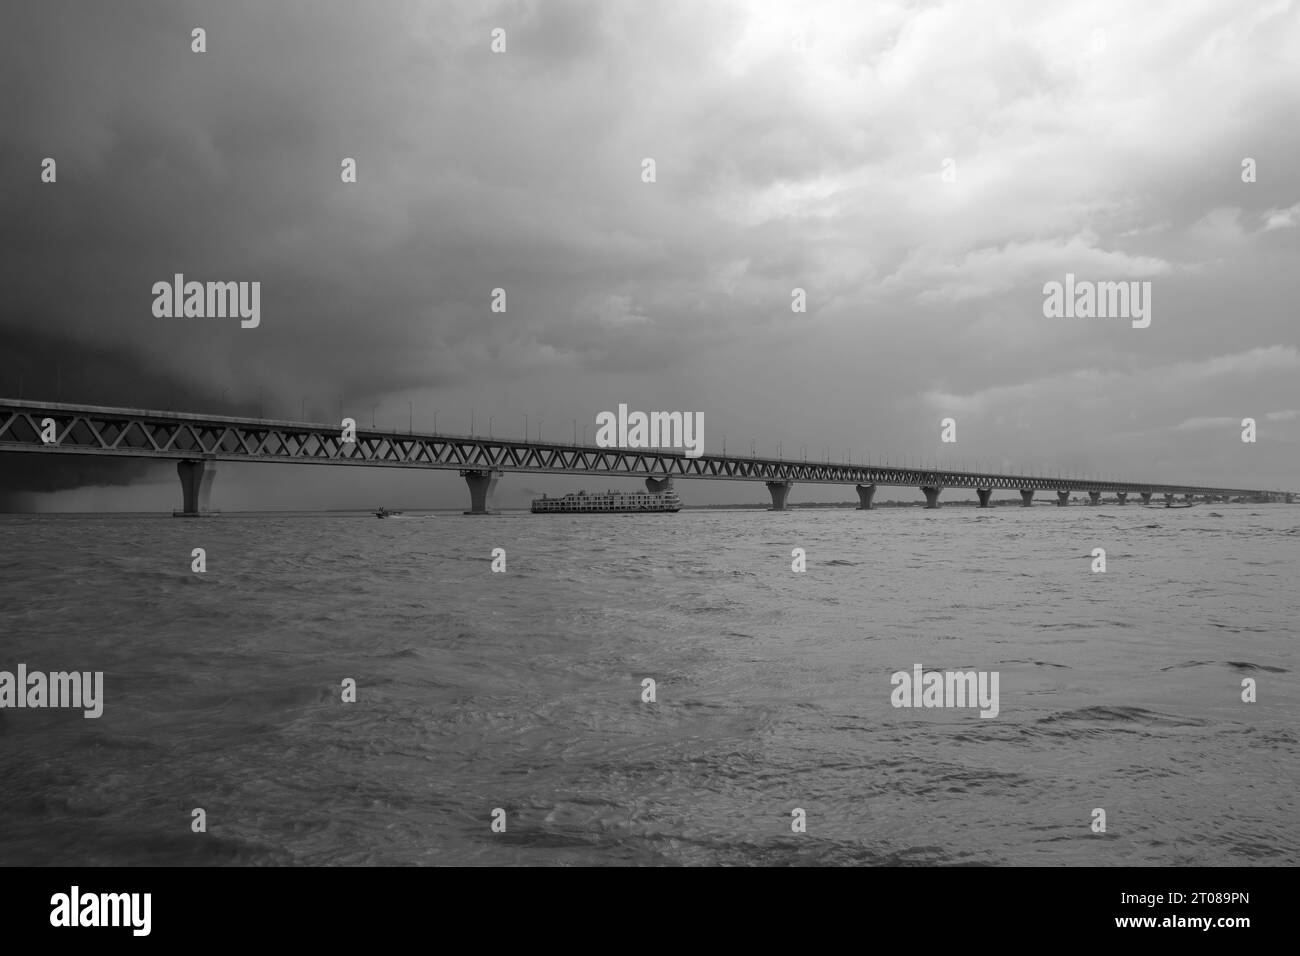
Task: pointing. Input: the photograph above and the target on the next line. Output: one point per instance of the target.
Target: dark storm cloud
(224, 165)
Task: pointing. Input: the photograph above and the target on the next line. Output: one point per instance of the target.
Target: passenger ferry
(611, 502)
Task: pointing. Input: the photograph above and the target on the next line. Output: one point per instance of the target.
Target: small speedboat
(385, 513)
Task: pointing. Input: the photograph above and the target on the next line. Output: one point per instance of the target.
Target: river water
(522, 690)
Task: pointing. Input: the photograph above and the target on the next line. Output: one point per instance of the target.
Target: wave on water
(1138, 716)
(1235, 665)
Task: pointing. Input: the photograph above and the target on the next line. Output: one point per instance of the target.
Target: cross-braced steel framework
(141, 433)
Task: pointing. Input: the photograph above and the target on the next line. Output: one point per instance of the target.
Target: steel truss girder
(132, 433)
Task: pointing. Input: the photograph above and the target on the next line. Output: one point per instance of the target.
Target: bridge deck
(145, 433)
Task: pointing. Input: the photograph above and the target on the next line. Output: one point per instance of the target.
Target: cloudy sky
(796, 145)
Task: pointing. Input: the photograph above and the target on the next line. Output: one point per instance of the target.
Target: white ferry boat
(611, 502)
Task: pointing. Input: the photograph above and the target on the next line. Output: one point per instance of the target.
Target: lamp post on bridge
(410, 418)
(435, 421)
(372, 413)
(490, 418)
(575, 430)
(525, 428)
(540, 423)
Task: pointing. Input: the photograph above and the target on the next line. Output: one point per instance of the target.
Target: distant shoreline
(919, 503)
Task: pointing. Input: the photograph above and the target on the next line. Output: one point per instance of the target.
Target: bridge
(196, 442)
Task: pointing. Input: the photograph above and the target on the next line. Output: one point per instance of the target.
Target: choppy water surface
(522, 690)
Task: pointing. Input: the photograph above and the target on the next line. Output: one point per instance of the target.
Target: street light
(372, 413)
(410, 418)
(435, 421)
(490, 418)
(575, 430)
(539, 429)
(525, 428)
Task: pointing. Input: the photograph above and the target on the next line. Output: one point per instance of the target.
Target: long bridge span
(197, 442)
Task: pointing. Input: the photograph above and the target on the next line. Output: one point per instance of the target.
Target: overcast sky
(796, 145)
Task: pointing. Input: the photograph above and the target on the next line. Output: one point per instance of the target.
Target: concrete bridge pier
(1062, 498)
(1026, 497)
(984, 495)
(865, 494)
(1288, 499)
(656, 485)
(1189, 497)
(1169, 498)
(1094, 497)
(1146, 497)
(481, 485)
(779, 490)
(931, 493)
(1122, 496)
(196, 487)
